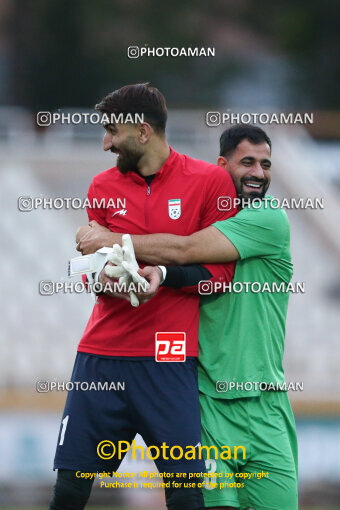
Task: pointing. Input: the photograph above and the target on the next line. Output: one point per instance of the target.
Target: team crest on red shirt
(174, 208)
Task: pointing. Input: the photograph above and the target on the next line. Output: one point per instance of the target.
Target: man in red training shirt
(158, 190)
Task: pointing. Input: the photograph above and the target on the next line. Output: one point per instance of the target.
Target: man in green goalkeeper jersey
(241, 334)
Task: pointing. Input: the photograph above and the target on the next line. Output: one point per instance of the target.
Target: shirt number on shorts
(63, 430)
(211, 466)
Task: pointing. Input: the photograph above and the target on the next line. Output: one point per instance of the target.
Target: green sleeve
(261, 232)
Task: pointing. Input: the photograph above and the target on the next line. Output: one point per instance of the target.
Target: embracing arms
(206, 246)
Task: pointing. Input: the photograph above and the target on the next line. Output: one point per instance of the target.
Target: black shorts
(157, 400)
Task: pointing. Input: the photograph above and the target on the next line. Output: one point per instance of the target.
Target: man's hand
(154, 276)
(107, 283)
(93, 237)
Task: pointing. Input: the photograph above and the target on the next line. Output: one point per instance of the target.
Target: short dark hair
(231, 137)
(139, 98)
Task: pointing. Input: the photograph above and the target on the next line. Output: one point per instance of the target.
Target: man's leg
(223, 424)
(265, 426)
(166, 408)
(89, 418)
(272, 467)
(182, 498)
(70, 492)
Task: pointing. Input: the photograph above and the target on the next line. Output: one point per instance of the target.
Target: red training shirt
(181, 199)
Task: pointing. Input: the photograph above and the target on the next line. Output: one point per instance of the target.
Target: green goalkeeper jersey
(241, 333)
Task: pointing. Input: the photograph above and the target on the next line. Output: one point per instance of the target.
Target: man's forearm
(153, 249)
(205, 246)
(166, 249)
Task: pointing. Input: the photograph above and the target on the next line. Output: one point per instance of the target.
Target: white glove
(126, 267)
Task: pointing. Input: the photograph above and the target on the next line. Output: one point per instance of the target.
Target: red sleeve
(94, 212)
(218, 205)
(219, 195)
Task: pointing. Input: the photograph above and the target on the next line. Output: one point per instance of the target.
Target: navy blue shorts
(159, 401)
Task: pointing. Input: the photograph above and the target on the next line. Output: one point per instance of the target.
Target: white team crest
(174, 208)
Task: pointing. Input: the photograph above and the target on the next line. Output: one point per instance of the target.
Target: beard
(128, 158)
(249, 196)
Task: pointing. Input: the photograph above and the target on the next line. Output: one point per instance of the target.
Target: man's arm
(206, 246)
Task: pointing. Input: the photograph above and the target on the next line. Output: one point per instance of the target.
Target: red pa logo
(170, 346)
